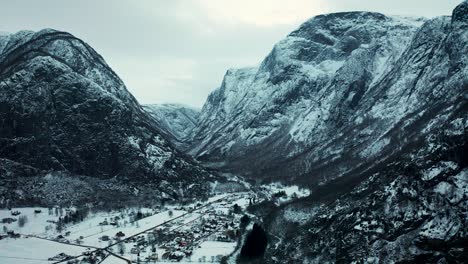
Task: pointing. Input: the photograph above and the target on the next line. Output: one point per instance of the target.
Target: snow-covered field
(33, 250)
(113, 260)
(209, 249)
(36, 222)
(91, 231)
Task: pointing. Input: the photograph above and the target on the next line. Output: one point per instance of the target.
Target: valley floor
(195, 233)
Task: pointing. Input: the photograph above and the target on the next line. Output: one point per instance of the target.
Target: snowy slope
(177, 121)
(343, 90)
(63, 111)
(376, 123)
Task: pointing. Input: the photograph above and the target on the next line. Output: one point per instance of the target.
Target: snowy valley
(346, 144)
(206, 231)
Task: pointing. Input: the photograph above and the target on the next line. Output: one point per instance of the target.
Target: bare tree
(121, 248)
(22, 220)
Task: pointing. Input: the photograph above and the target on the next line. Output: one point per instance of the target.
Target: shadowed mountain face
(177, 121)
(63, 109)
(341, 95)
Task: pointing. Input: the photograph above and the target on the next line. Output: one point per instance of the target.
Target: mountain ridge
(317, 76)
(399, 193)
(64, 111)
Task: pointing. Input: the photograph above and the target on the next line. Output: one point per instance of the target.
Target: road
(146, 230)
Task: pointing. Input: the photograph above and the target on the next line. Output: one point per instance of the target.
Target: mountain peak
(331, 74)
(460, 13)
(63, 109)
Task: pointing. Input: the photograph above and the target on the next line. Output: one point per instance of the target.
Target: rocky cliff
(343, 93)
(389, 151)
(370, 111)
(63, 111)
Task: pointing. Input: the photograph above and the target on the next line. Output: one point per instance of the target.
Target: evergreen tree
(255, 243)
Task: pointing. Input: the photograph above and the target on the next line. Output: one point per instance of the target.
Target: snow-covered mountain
(342, 94)
(370, 111)
(176, 120)
(70, 130)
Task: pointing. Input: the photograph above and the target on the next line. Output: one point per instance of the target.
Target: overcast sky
(177, 51)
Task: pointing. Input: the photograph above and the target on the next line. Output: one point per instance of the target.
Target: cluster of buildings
(179, 239)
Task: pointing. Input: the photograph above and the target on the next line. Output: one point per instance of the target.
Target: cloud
(261, 13)
(178, 50)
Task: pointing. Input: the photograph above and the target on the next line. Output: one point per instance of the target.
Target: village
(194, 233)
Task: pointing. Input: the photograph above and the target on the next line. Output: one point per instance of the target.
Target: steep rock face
(410, 207)
(410, 211)
(340, 95)
(63, 109)
(177, 121)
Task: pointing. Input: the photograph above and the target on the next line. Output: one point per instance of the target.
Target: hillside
(69, 127)
(177, 121)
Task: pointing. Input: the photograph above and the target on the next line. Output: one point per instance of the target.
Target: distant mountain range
(176, 120)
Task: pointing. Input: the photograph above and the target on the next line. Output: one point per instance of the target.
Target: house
(135, 250)
(223, 238)
(183, 243)
(87, 252)
(153, 257)
(60, 257)
(62, 239)
(188, 252)
(176, 255)
(12, 234)
(141, 241)
(104, 222)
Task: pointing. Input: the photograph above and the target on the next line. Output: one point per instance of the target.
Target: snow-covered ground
(188, 222)
(113, 260)
(291, 192)
(212, 249)
(36, 222)
(91, 231)
(33, 250)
